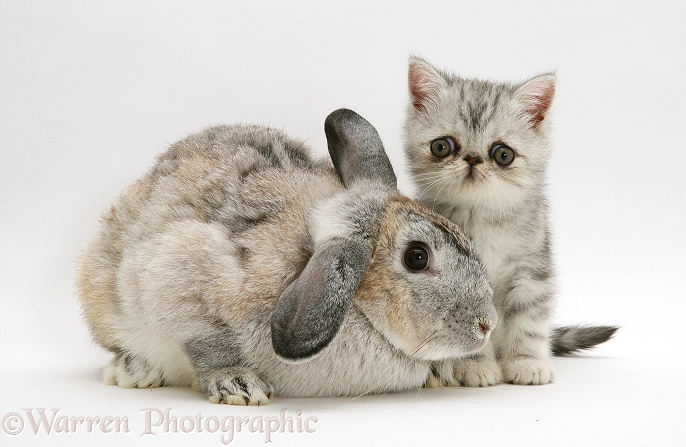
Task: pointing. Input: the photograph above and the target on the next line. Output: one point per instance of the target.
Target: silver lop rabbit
(244, 267)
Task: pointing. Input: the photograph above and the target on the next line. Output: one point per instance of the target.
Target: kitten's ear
(533, 99)
(425, 84)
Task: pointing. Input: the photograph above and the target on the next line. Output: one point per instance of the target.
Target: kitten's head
(476, 143)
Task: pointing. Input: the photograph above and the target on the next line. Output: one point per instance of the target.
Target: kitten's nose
(472, 158)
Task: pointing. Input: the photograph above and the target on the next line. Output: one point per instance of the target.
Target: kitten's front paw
(477, 372)
(234, 386)
(526, 371)
(471, 372)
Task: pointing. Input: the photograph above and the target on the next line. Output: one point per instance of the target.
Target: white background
(91, 91)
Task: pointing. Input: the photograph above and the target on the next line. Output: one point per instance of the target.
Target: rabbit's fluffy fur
(243, 266)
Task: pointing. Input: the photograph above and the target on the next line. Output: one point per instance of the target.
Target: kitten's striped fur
(503, 208)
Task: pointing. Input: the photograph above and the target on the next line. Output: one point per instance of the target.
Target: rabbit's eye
(416, 257)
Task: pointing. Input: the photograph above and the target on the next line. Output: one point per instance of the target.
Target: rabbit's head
(411, 272)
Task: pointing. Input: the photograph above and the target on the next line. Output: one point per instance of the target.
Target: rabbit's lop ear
(356, 149)
(310, 311)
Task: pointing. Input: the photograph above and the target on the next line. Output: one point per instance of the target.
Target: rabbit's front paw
(235, 386)
(528, 371)
(130, 371)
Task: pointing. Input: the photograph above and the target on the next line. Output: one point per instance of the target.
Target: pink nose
(485, 328)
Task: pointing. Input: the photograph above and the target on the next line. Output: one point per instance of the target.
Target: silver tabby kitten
(478, 152)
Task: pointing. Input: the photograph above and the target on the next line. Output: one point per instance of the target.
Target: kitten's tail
(570, 339)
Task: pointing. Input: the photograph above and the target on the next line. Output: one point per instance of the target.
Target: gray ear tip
(356, 149)
(344, 122)
(339, 118)
(289, 348)
(341, 114)
(291, 342)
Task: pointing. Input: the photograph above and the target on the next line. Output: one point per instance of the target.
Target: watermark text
(156, 422)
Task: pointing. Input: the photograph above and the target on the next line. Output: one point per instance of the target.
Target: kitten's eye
(502, 154)
(416, 257)
(442, 147)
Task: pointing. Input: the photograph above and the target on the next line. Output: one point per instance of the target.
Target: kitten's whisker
(429, 186)
(491, 203)
(514, 207)
(500, 206)
(428, 180)
(431, 180)
(426, 174)
(445, 182)
(489, 208)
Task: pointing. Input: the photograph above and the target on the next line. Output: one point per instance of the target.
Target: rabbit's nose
(485, 328)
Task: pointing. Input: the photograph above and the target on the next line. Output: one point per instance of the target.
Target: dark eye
(502, 154)
(416, 257)
(442, 147)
